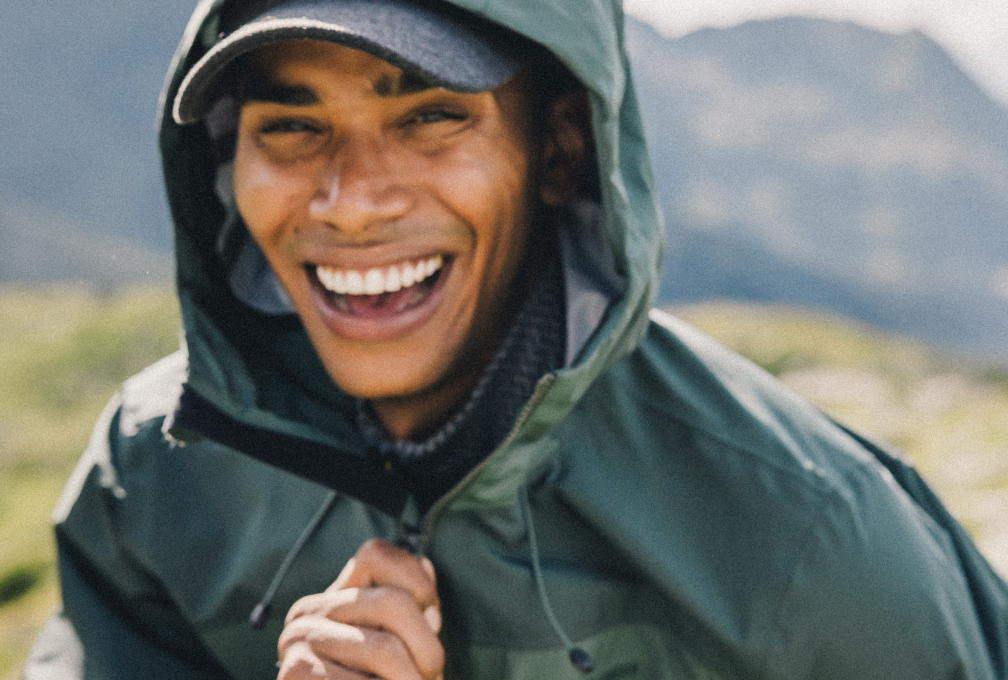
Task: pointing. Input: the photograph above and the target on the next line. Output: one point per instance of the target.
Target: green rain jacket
(687, 516)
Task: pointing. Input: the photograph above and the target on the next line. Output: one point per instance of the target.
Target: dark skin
(345, 166)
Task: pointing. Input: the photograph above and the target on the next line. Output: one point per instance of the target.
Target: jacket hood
(259, 369)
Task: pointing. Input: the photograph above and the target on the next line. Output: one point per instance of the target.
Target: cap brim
(444, 49)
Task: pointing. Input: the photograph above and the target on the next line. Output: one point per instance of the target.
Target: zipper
(415, 542)
(430, 520)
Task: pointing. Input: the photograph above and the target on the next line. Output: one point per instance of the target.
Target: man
(423, 424)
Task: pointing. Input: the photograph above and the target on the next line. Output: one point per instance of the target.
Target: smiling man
(424, 423)
(396, 219)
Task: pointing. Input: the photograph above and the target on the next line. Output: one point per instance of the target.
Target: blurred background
(834, 176)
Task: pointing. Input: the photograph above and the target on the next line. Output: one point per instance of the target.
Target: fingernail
(428, 567)
(433, 616)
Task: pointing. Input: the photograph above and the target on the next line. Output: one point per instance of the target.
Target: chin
(381, 378)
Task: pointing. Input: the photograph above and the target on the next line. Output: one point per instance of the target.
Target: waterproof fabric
(693, 518)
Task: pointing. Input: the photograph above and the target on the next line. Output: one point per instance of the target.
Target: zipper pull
(408, 538)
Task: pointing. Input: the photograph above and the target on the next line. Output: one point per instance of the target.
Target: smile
(381, 298)
(378, 280)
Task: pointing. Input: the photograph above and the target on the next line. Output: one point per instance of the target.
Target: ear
(568, 155)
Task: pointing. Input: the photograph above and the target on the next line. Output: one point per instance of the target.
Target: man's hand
(380, 618)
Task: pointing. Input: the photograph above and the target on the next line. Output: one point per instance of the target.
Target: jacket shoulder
(688, 385)
(756, 509)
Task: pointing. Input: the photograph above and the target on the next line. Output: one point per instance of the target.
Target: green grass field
(63, 352)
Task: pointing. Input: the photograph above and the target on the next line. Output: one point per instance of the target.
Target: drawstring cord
(261, 612)
(578, 657)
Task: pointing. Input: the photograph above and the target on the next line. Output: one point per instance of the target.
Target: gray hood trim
(591, 280)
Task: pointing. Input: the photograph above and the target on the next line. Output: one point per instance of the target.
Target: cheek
(488, 187)
(252, 184)
(490, 192)
(265, 194)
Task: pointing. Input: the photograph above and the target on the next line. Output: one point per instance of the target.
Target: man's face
(396, 217)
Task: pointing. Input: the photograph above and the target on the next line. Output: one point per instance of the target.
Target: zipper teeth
(434, 514)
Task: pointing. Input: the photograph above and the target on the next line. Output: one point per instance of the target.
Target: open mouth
(384, 291)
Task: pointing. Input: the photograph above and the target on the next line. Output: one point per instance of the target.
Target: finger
(428, 568)
(433, 612)
(297, 662)
(363, 650)
(325, 604)
(300, 663)
(388, 608)
(379, 563)
(316, 604)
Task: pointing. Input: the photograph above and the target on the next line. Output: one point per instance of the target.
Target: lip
(362, 258)
(356, 328)
(317, 245)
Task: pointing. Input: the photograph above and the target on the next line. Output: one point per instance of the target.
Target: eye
(437, 116)
(434, 125)
(434, 116)
(289, 138)
(288, 126)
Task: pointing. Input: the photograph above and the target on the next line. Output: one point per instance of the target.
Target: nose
(362, 185)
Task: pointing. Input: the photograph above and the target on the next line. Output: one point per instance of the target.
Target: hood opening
(250, 359)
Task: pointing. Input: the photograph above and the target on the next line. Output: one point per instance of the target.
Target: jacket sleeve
(988, 590)
(880, 593)
(89, 638)
(116, 621)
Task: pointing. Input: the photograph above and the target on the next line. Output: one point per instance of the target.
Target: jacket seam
(830, 500)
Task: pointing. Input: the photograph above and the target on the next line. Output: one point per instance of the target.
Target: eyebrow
(264, 90)
(406, 83)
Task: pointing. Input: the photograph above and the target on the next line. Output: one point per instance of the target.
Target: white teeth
(408, 276)
(393, 281)
(332, 280)
(374, 282)
(377, 281)
(354, 283)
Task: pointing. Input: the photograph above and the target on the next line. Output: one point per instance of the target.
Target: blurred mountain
(78, 100)
(41, 245)
(798, 161)
(829, 165)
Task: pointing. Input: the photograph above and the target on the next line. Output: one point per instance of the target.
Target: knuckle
(428, 568)
(300, 662)
(308, 604)
(373, 549)
(390, 600)
(389, 646)
(330, 604)
(293, 633)
(287, 638)
(429, 592)
(432, 662)
(424, 594)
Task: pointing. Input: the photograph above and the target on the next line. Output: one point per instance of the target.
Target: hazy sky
(974, 32)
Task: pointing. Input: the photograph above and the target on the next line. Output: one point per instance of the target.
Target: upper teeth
(378, 280)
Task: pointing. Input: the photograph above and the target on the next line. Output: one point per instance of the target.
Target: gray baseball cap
(441, 44)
